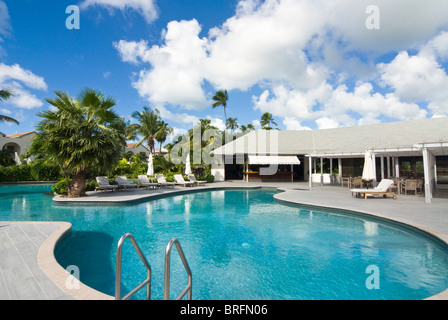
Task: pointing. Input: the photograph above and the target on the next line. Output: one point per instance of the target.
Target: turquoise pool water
(241, 244)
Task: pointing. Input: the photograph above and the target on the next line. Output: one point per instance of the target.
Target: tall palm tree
(232, 124)
(5, 94)
(221, 97)
(148, 127)
(267, 120)
(163, 133)
(78, 134)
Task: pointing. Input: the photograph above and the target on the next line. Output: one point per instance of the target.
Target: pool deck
(28, 269)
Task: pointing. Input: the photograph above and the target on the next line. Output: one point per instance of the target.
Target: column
(374, 170)
(340, 169)
(427, 171)
(382, 167)
(388, 166)
(310, 172)
(321, 171)
(397, 168)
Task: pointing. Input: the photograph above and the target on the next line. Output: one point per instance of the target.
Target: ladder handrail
(188, 288)
(146, 282)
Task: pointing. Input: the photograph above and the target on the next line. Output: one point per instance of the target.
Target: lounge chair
(123, 183)
(193, 179)
(103, 184)
(381, 189)
(180, 181)
(162, 181)
(144, 182)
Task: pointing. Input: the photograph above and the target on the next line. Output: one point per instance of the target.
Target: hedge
(29, 172)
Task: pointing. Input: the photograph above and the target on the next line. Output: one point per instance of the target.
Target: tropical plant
(5, 159)
(163, 133)
(5, 94)
(266, 121)
(232, 124)
(149, 127)
(221, 97)
(80, 134)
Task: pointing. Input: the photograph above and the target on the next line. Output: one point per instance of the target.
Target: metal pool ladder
(147, 281)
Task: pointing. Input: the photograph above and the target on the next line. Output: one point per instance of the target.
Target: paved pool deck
(28, 269)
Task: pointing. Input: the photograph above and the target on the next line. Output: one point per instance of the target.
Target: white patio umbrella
(368, 173)
(188, 165)
(150, 171)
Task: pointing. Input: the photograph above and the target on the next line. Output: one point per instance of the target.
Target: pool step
(147, 281)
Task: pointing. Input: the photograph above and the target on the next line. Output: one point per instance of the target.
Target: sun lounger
(180, 181)
(162, 181)
(123, 183)
(193, 179)
(103, 184)
(144, 182)
(381, 189)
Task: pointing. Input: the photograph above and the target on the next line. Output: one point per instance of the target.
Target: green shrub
(30, 172)
(61, 186)
(208, 177)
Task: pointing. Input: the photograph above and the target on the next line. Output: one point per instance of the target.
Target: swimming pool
(242, 244)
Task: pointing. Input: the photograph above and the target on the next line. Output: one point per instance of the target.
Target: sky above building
(312, 64)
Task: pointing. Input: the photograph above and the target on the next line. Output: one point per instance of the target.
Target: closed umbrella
(150, 166)
(368, 173)
(188, 165)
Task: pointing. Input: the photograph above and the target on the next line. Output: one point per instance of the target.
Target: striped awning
(268, 160)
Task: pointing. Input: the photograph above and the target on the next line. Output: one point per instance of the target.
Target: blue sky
(312, 64)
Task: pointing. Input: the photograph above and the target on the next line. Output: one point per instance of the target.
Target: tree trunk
(78, 185)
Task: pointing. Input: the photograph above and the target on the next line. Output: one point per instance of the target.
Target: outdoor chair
(144, 182)
(180, 181)
(163, 183)
(381, 189)
(197, 182)
(123, 183)
(410, 185)
(103, 184)
(357, 182)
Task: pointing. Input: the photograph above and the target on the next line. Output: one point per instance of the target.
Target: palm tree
(221, 97)
(80, 134)
(5, 94)
(163, 133)
(148, 127)
(232, 124)
(267, 120)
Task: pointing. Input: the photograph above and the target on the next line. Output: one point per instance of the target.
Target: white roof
(268, 160)
(349, 141)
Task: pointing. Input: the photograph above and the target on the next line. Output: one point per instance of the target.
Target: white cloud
(326, 123)
(216, 122)
(176, 76)
(177, 117)
(315, 60)
(294, 124)
(132, 51)
(147, 8)
(420, 78)
(16, 72)
(16, 78)
(5, 23)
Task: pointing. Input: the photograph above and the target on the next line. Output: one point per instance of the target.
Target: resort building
(412, 149)
(16, 144)
(134, 149)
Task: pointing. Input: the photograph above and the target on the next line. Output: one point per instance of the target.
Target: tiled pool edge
(57, 273)
(432, 234)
